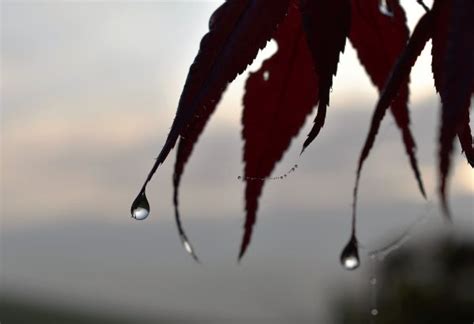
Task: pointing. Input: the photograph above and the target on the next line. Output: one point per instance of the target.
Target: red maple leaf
(310, 35)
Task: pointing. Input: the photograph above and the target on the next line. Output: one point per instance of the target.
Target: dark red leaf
(453, 70)
(438, 50)
(183, 153)
(327, 24)
(277, 100)
(379, 40)
(237, 30)
(466, 141)
(398, 76)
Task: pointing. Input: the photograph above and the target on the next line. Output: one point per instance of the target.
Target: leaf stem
(421, 3)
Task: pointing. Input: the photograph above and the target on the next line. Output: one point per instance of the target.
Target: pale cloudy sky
(89, 90)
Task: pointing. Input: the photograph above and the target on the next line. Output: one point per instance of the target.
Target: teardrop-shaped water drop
(350, 255)
(140, 207)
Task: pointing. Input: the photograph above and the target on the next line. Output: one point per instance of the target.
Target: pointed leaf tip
(182, 234)
(399, 74)
(466, 140)
(319, 17)
(453, 71)
(379, 40)
(238, 30)
(278, 98)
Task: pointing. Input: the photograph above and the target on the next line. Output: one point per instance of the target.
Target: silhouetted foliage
(310, 35)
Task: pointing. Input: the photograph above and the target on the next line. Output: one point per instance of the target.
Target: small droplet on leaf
(374, 312)
(266, 75)
(140, 207)
(350, 255)
(384, 8)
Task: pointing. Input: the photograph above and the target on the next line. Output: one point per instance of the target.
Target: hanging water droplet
(374, 312)
(350, 262)
(140, 207)
(188, 247)
(384, 8)
(350, 255)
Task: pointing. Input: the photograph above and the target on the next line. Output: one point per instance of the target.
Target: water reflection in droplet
(350, 262)
(188, 248)
(350, 255)
(140, 207)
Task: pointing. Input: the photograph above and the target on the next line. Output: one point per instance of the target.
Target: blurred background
(88, 93)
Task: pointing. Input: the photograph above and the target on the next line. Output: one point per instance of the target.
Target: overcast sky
(89, 90)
